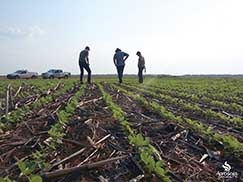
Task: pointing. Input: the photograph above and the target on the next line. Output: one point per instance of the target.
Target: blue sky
(175, 36)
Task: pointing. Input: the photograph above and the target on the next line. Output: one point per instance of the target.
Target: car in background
(55, 73)
(22, 74)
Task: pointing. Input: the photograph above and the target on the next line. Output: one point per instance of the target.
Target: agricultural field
(166, 129)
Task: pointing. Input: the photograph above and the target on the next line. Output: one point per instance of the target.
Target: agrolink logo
(226, 167)
(227, 174)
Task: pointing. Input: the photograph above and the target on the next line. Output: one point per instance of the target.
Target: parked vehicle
(55, 73)
(22, 74)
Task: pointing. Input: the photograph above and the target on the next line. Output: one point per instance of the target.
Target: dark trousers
(140, 74)
(85, 66)
(120, 72)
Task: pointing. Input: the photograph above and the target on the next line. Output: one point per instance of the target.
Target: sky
(176, 37)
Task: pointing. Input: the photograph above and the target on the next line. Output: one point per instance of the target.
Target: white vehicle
(55, 73)
(22, 74)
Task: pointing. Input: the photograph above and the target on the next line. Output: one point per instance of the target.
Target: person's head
(87, 48)
(117, 50)
(138, 53)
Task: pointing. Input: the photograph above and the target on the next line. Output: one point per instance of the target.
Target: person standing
(119, 61)
(84, 64)
(141, 66)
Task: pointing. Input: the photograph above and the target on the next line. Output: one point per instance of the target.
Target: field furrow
(29, 134)
(166, 129)
(231, 108)
(219, 122)
(182, 152)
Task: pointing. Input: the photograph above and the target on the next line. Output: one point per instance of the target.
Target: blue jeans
(120, 72)
(82, 66)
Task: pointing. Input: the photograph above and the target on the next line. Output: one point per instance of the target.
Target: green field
(166, 129)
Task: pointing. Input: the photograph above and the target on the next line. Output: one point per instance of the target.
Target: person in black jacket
(84, 64)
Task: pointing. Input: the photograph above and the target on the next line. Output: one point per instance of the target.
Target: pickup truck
(22, 74)
(55, 73)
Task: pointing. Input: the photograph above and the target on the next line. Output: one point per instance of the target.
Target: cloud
(20, 32)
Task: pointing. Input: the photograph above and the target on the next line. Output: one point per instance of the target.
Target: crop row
(231, 145)
(198, 90)
(25, 88)
(38, 161)
(194, 109)
(214, 86)
(202, 100)
(12, 118)
(145, 149)
(20, 92)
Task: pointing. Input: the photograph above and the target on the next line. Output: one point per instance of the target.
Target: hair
(138, 53)
(87, 48)
(117, 50)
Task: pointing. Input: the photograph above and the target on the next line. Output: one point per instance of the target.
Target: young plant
(146, 150)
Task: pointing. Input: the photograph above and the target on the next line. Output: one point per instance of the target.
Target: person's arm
(125, 56)
(114, 59)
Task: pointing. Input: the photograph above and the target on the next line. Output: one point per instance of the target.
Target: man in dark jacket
(119, 61)
(84, 64)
